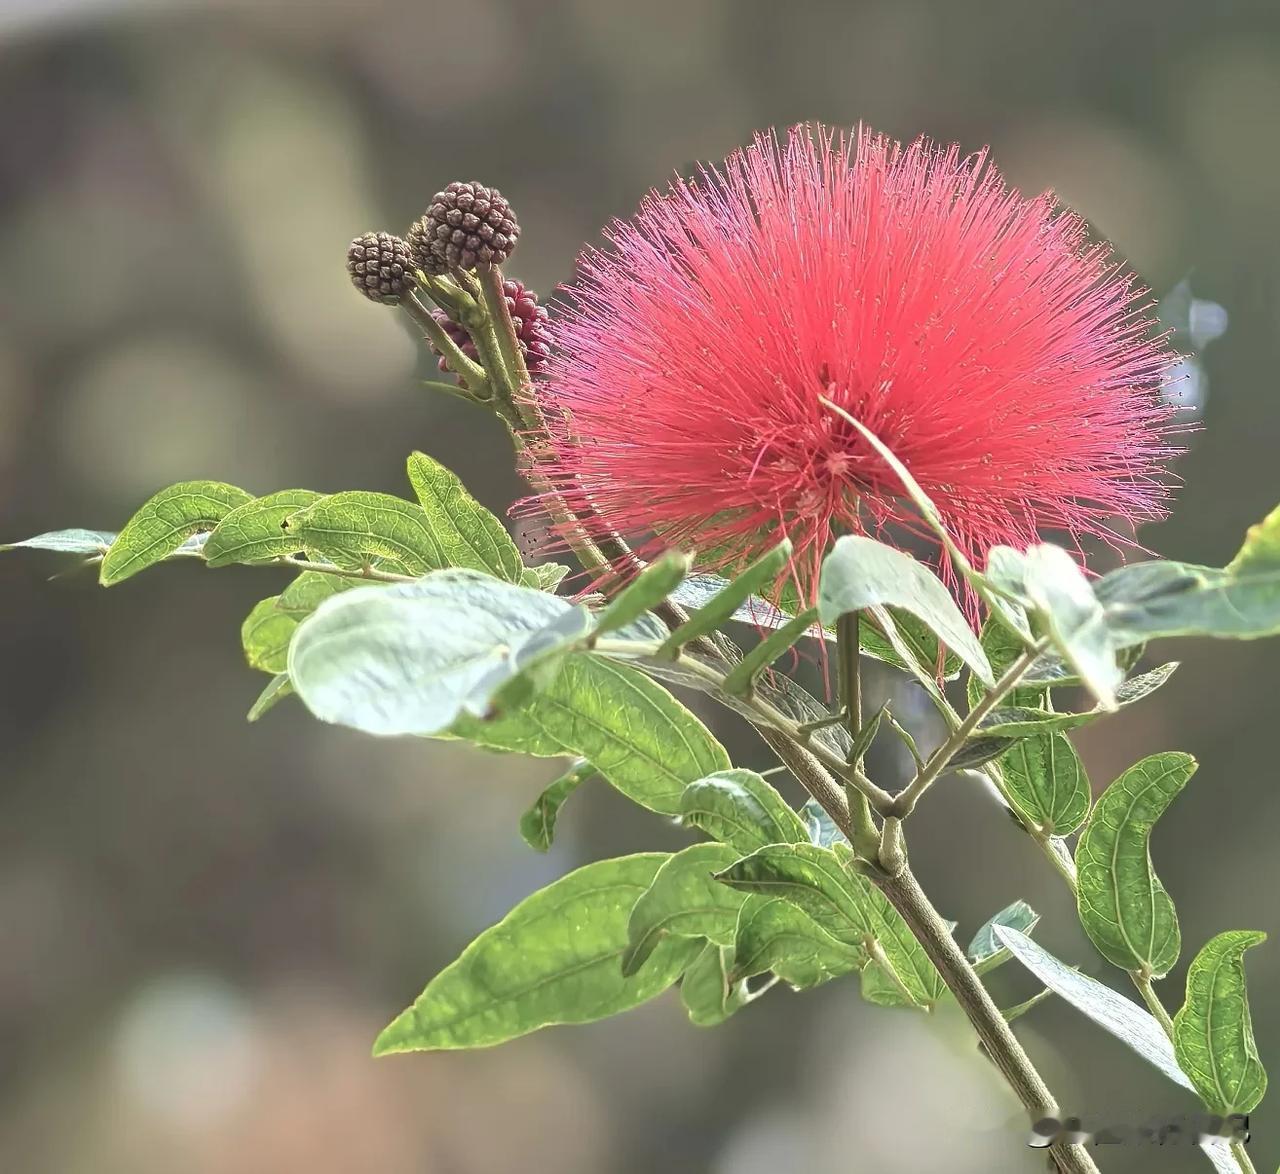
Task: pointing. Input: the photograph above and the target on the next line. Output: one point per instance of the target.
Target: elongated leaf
(538, 824)
(1123, 1018)
(646, 591)
(411, 658)
(1241, 601)
(860, 573)
(1016, 721)
(278, 688)
(466, 534)
(905, 976)
(635, 733)
(777, 935)
(1046, 781)
(92, 542)
(354, 527)
(1123, 906)
(552, 959)
(740, 808)
(724, 605)
(684, 899)
(985, 948)
(254, 531)
(1213, 1031)
(164, 523)
(708, 992)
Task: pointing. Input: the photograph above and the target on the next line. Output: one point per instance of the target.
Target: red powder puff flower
(1001, 356)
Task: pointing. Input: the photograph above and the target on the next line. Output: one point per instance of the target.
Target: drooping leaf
(635, 733)
(860, 573)
(1213, 1031)
(1048, 583)
(740, 808)
(707, 991)
(538, 824)
(1046, 781)
(412, 657)
(278, 688)
(742, 680)
(684, 899)
(1129, 1023)
(355, 527)
(254, 531)
(1123, 906)
(164, 523)
(545, 576)
(552, 959)
(985, 950)
(776, 935)
(267, 630)
(466, 534)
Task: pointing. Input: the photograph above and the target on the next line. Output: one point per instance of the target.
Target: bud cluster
(529, 319)
(466, 226)
(381, 266)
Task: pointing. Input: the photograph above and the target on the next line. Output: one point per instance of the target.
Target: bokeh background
(203, 923)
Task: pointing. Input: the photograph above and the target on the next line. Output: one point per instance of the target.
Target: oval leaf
(1213, 1032)
(774, 934)
(254, 532)
(164, 523)
(861, 573)
(552, 959)
(1123, 906)
(707, 990)
(354, 527)
(985, 949)
(739, 807)
(467, 534)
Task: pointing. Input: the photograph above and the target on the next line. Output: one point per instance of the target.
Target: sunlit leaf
(740, 808)
(91, 542)
(1046, 782)
(985, 950)
(254, 531)
(707, 990)
(538, 824)
(355, 527)
(776, 935)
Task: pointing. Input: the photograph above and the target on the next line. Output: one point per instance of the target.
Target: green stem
(478, 387)
(1242, 1158)
(1142, 981)
(370, 573)
(848, 656)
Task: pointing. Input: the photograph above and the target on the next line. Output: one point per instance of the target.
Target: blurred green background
(204, 923)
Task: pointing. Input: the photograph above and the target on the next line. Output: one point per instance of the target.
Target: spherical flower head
(1004, 359)
(466, 226)
(380, 266)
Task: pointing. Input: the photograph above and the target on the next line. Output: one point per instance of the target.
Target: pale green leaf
(686, 900)
(553, 959)
(466, 534)
(1213, 1031)
(356, 527)
(648, 589)
(861, 573)
(91, 542)
(278, 688)
(776, 935)
(1123, 1018)
(164, 523)
(740, 808)
(1123, 906)
(707, 990)
(985, 952)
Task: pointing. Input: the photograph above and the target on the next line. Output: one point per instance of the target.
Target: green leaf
(545, 576)
(266, 632)
(278, 688)
(1213, 1032)
(851, 909)
(1062, 603)
(466, 534)
(1020, 721)
(411, 658)
(635, 733)
(861, 573)
(254, 531)
(354, 527)
(724, 605)
(820, 826)
(93, 542)
(1123, 906)
(645, 591)
(708, 992)
(684, 900)
(1123, 1018)
(1046, 781)
(552, 959)
(774, 934)
(985, 949)
(740, 808)
(164, 523)
(538, 824)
